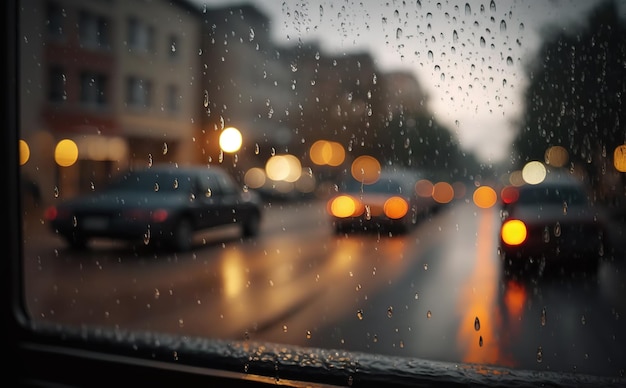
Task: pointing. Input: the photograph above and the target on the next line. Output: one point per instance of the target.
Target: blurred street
(435, 293)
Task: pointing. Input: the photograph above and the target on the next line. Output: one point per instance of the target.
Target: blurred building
(117, 78)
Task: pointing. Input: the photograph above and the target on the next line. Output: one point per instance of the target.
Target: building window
(140, 35)
(93, 30)
(56, 91)
(138, 92)
(54, 21)
(173, 98)
(92, 89)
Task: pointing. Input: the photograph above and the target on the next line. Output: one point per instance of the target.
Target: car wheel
(251, 225)
(183, 235)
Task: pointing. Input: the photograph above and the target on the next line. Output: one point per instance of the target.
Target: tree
(574, 99)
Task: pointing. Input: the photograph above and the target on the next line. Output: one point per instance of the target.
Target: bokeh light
(366, 169)
(230, 140)
(509, 194)
(395, 208)
(556, 156)
(619, 158)
(324, 152)
(534, 172)
(66, 153)
(283, 168)
(24, 152)
(516, 178)
(485, 197)
(513, 232)
(254, 178)
(443, 192)
(424, 188)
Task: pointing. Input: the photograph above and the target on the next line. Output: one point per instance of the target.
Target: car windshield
(149, 181)
(296, 102)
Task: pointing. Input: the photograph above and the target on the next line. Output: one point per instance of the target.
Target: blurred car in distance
(390, 203)
(162, 204)
(552, 224)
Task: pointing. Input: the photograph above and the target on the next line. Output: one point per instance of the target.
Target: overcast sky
(469, 56)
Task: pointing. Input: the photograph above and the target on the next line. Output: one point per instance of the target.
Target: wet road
(436, 293)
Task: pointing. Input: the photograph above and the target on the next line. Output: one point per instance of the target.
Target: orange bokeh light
(443, 192)
(365, 169)
(485, 197)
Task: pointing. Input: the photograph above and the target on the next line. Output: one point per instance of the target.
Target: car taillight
(51, 213)
(513, 232)
(159, 215)
(396, 207)
(344, 206)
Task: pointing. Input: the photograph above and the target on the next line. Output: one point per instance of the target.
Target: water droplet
(583, 320)
(284, 328)
(539, 354)
(509, 61)
(480, 341)
(429, 314)
(359, 314)
(502, 26)
(308, 334)
(146, 237)
(417, 296)
(546, 234)
(557, 230)
(477, 324)
(156, 186)
(164, 148)
(544, 318)
(390, 311)
(375, 338)
(56, 192)
(206, 99)
(74, 221)
(256, 149)
(150, 161)
(425, 267)
(175, 183)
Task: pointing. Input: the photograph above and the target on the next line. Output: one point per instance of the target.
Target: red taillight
(509, 194)
(396, 207)
(513, 232)
(51, 213)
(159, 215)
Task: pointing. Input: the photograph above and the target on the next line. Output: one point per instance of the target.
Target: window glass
(453, 114)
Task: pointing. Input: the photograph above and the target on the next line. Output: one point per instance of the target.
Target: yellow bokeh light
(324, 152)
(534, 173)
(366, 169)
(485, 197)
(66, 153)
(619, 158)
(343, 206)
(283, 168)
(513, 232)
(230, 140)
(254, 178)
(24, 152)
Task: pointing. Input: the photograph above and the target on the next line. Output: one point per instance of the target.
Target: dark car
(551, 224)
(162, 204)
(388, 204)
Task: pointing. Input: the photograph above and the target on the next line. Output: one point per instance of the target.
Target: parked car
(164, 204)
(388, 204)
(552, 223)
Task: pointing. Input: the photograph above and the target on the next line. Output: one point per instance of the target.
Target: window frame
(45, 355)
